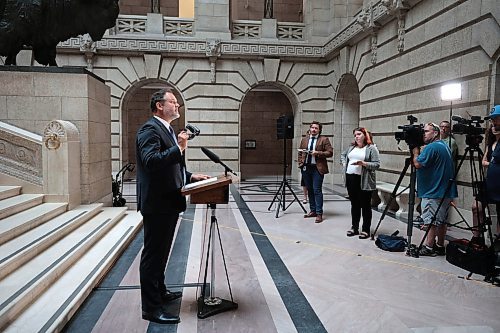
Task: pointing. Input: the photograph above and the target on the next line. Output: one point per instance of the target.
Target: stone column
(212, 19)
(61, 163)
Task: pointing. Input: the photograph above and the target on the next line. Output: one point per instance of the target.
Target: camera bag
(475, 258)
(391, 243)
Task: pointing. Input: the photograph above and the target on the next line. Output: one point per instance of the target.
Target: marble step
(9, 191)
(18, 203)
(15, 225)
(54, 308)
(23, 286)
(23, 248)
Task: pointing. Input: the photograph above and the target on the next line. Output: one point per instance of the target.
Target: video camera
(468, 126)
(412, 134)
(192, 131)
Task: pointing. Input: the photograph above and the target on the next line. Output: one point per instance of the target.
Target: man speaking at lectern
(161, 173)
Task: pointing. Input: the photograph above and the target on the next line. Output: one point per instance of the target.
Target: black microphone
(211, 155)
(216, 159)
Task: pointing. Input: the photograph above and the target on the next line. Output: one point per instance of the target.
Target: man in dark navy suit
(161, 173)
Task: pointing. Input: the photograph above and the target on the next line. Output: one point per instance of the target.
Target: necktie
(172, 134)
(311, 148)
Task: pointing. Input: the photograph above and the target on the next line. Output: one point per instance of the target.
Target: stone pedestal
(154, 23)
(31, 97)
(61, 163)
(269, 28)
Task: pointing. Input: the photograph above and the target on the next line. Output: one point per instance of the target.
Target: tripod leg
(296, 198)
(276, 196)
(393, 195)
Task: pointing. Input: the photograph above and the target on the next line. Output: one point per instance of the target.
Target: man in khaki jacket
(313, 152)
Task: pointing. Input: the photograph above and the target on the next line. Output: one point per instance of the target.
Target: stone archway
(136, 110)
(260, 109)
(346, 118)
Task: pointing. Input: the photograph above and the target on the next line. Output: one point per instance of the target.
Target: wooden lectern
(211, 194)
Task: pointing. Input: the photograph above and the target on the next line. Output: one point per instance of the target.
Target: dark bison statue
(42, 24)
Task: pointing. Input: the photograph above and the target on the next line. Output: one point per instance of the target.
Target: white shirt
(357, 154)
(168, 127)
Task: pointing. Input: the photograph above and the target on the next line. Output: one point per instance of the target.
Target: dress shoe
(169, 296)
(310, 214)
(160, 317)
(319, 218)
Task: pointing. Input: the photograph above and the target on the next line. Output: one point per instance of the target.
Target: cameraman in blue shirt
(435, 169)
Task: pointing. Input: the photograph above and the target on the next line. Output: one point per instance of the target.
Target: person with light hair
(435, 171)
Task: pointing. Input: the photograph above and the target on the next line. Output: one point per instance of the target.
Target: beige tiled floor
(351, 285)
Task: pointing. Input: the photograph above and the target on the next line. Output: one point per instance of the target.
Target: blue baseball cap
(495, 112)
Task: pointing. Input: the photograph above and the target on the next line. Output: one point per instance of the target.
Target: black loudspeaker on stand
(284, 131)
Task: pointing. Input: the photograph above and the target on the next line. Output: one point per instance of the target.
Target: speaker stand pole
(281, 194)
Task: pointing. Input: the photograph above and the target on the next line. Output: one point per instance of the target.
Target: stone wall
(402, 74)
(32, 97)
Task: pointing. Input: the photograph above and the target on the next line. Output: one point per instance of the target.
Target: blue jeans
(314, 183)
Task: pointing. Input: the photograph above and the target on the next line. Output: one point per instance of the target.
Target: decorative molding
(213, 52)
(52, 135)
(291, 30)
(398, 9)
(89, 49)
(21, 157)
(247, 29)
(136, 39)
(373, 47)
(401, 32)
(177, 26)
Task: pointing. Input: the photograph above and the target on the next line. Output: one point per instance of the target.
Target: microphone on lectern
(211, 155)
(216, 159)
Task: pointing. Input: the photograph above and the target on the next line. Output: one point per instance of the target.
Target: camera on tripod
(471, 128)
(412, 134)
(193, 131)
(468, 126)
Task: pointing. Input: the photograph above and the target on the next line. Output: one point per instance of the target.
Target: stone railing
(130, 34)
(51, 162)
(177, 26)
(291, 30)
(246, 29)
(21, 154)
(129, 24)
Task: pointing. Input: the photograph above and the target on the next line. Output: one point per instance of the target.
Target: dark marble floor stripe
(301, 312)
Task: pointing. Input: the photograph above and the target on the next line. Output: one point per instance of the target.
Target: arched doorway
(261, 152)
(136, 110)
(346, 118)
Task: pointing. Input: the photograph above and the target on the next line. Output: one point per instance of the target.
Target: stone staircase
(51, 258)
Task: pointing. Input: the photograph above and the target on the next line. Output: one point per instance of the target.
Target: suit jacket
(325, 149)
(160, 167)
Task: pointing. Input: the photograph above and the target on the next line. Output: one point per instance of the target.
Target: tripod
(477, 179)
(209, 305)
(411, 200)
(281, 193)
